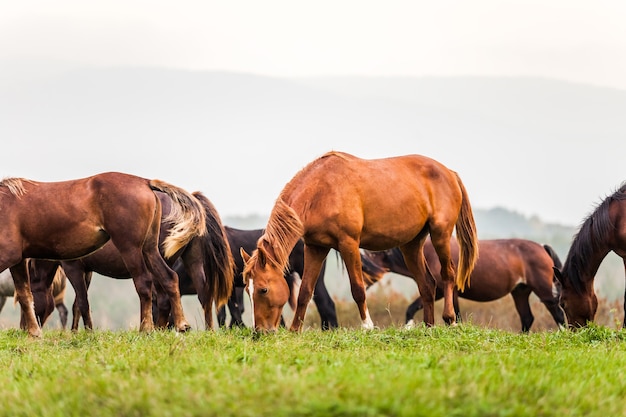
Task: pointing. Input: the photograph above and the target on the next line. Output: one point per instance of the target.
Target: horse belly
(70, 244)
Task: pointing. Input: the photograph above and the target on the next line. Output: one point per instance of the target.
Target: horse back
(386, 201)
(69, 219)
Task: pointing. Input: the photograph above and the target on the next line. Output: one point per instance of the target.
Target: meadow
(482, 367)
(466, 370)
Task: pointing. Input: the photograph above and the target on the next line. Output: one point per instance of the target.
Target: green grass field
(461, 371)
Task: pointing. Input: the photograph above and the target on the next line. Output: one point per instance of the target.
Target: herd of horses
(408, 214)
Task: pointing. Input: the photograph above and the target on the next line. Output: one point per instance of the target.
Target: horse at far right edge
(602, 231)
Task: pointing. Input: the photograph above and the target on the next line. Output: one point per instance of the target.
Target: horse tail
(59, 285)
(556, 284)
(187, 217)
(468, 240)
(372, 272)
(219, 266)
(554, 256)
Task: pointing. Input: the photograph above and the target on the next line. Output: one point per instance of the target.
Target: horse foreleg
(624, 323)
(42, 274)
(520, 295)
(236, 307)
(313, 258)
(168, 279)
(24, 296)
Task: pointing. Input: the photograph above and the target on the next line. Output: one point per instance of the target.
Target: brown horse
(205, 261)
(506, 266)
(603, 231)
(343, 202)
(71, 219)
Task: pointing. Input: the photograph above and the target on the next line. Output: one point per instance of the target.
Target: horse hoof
(35, 333)
(185, 327)
(409, 325)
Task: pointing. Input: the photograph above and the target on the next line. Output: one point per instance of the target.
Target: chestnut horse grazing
(343, 202)
(71, 219)
(506, 266)
(603, 231)
(247, 239)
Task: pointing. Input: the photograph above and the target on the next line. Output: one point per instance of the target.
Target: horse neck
(583, 271)
(282, 233)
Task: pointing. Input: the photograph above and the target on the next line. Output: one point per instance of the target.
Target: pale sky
(570, 40)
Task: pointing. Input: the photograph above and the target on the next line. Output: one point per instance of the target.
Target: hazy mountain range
(538, 147)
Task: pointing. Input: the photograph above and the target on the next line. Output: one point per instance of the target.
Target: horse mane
(15, 185)
(283, 230)
(594, 230)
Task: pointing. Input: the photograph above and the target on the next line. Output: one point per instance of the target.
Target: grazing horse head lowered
(345, 203)
(602, 231)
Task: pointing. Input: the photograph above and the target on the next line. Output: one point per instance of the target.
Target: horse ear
(244, 255)
(262, 256)
(557, 274)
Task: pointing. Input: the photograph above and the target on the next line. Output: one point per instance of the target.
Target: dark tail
(219, 265)
(554, 256)
(468, 240)
(372, 272)
(558, 265)
(187, 217)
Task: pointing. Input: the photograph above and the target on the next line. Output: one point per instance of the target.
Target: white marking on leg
(409, 324)
(367, 324)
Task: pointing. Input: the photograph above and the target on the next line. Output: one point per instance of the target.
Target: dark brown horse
(205, 264)
(71, 219)
(247, 240)
(602, 231)
(343, 202)
(506, 266)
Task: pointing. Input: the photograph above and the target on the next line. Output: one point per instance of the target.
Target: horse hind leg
(441, 243)
(142, 279)
(416, 264)
(352, 259)
(168, 279)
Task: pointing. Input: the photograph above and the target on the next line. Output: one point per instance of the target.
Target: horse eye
(264, 290)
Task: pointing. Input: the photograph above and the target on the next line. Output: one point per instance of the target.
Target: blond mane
(283, 230)
(15, 185)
